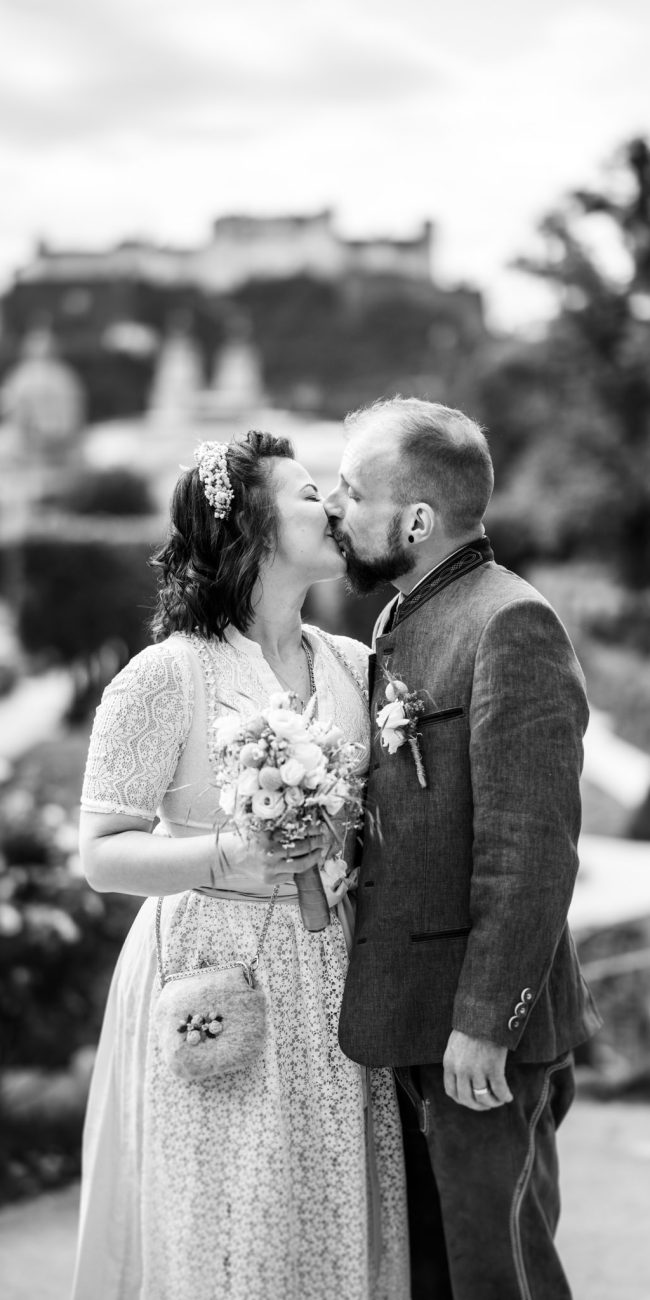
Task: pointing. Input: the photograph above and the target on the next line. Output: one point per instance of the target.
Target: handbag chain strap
(249, 967)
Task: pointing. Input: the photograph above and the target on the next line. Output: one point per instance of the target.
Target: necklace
(310, 668)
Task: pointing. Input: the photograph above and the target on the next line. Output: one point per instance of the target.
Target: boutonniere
(398, 723)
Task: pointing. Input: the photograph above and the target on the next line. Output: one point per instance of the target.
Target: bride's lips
(336, 541)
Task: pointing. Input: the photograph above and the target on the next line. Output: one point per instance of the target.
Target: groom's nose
(332, 505)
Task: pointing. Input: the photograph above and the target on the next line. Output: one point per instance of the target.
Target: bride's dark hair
(209, 567)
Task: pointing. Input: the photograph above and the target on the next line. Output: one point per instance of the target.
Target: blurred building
(318, 309)
(41, 400)
(239, 249)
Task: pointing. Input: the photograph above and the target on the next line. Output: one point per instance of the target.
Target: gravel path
(604, 1235)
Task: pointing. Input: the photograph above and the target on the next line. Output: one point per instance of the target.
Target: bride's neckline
(241, 642)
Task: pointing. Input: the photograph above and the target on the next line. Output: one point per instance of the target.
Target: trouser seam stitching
(523, 1181)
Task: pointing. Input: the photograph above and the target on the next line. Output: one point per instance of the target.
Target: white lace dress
(267, 1184)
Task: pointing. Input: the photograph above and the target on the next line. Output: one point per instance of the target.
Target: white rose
(228, 800)
(248, 783)
(268, 804)
(286, 724)
(310, 755)
(313, 779)
(252, 755)
(269, 778)
(391, 720)
(227, 730)
(279, 700)
(392, 740)
(292, 772)
(255, 726)
(392, 715)
(331, 802)
(293, 797)
(395, 689)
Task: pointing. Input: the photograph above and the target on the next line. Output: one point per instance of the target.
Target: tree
(597, 363)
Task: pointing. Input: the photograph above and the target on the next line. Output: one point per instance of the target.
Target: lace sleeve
(139, 732)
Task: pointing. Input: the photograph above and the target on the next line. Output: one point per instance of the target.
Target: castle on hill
(243, 248)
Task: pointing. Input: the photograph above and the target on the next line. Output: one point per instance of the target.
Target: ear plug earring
(411, 537)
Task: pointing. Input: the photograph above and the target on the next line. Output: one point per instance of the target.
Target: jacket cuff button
(527, 995)
(513, 1023)
(521, 1009)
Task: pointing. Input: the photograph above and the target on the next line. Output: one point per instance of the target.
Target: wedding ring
(480, 1092)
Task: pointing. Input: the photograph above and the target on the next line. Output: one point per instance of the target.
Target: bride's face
(305, 541)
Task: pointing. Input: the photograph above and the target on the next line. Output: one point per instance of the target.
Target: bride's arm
(120, 855)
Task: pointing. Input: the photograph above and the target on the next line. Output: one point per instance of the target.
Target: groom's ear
(421, 521)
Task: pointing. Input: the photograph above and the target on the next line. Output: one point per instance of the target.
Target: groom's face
(366, 521)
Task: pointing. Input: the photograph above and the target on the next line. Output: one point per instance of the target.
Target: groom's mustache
(342, 540)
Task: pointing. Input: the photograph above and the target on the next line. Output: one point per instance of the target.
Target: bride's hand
(282, 864)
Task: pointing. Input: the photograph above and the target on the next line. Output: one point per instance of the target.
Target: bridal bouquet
(285, 774)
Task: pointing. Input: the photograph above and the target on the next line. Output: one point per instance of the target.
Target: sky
(149, 118)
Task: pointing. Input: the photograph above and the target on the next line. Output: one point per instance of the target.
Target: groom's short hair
(442, 457)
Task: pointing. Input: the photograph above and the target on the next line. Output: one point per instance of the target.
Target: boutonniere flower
(397, 722)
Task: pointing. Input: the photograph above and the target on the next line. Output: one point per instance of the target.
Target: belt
(238, 896)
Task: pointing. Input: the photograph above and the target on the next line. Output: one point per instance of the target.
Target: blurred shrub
(78, 592)
(8, 677)
(58, 939)
(117, 491)
(58, 946)
(621, 1050)
(512, 531)
(628, 625)
(639, 827)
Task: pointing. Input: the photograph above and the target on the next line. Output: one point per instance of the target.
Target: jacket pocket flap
(440, 715)
(423, 936)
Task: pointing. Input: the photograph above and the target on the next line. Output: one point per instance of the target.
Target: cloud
(80, 71)
(151, 117)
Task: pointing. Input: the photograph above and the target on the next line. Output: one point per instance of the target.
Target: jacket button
(362, 940)
(521, 1009)
(513, 1023)
(368, 884)
(526, 995)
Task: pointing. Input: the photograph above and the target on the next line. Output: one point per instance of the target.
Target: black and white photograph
(324, 650)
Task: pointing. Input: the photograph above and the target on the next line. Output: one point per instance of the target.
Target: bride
(282, 1180)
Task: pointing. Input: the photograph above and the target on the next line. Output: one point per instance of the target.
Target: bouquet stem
(311, 898)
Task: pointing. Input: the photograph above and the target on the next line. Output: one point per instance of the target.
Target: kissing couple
(446, 970)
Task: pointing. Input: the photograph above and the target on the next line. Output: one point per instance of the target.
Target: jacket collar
(455, 566)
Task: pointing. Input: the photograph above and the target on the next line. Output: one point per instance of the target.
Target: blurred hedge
(116, 491)
(75, 588)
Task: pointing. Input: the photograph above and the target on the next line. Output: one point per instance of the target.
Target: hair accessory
(213, 473)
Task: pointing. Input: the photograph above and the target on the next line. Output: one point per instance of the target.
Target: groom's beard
(364, 576)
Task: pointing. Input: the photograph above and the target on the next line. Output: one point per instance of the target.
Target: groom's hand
(474, 1072)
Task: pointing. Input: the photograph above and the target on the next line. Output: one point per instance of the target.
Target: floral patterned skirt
(266, 1182)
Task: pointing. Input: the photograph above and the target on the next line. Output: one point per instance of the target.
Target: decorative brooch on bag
(398, 723)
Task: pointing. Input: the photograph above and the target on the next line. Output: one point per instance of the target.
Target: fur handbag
(210, 1020)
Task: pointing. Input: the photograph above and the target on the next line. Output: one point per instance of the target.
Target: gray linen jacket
(465, 886)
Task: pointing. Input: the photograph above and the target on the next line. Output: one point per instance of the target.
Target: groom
(463, 973)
